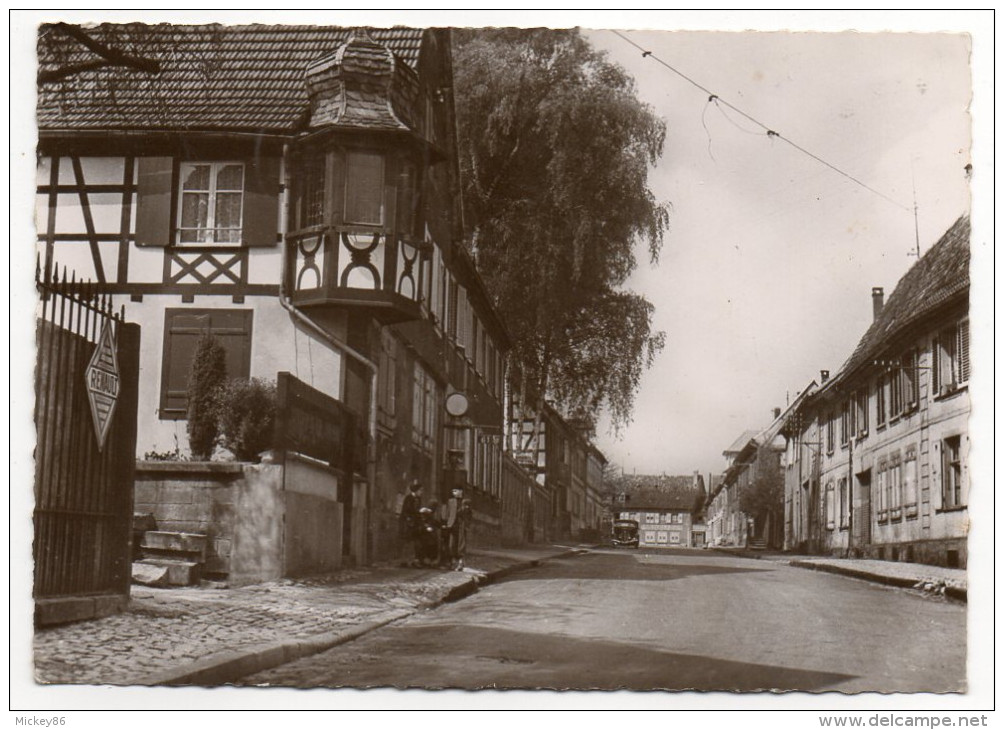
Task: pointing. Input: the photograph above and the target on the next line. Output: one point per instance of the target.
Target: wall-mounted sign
(457, 404)
(102, 378)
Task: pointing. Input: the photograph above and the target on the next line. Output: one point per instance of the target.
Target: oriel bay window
(355, 188)
(354, 222)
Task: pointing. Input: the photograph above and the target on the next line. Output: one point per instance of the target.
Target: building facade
(293, 192)
(878, 456)
(726, 522)
(569, 471)
(667, 508)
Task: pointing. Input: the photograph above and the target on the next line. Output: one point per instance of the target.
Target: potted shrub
(245, 409)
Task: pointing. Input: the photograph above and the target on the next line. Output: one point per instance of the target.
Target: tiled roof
(213, 77)
(740, 443)
(941, 275)
(686, 500)
(661, 492)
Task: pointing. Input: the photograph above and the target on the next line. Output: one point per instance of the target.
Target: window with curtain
(210, 202)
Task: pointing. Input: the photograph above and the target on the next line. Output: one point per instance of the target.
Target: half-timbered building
(294, 192)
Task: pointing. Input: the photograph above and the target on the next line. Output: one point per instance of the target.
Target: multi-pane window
(951, 473)
(895, 489)
(424, 408)
(895, 394)
(861, 413)
(911, 383)
(452, 308)
(211, 202)
(904, 385)
(845, 425)
(831, 507)
(407, 198)
(651, 518)
(880, 401)
(364, 188)
(881, 492)
(308, 207)
(910, 483)
(845, 511)
(387, 378)
(950, 358)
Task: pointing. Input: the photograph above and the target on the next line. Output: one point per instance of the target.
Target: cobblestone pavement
(168, 628)
(916, 572)
(930, 578)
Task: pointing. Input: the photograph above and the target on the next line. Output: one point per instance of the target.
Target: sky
(765, 277)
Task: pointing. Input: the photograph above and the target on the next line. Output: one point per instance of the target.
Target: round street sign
(456, 404)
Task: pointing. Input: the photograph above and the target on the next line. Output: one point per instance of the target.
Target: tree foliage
(208, 373)
(765, 494)
(246, 412)
(555, 150)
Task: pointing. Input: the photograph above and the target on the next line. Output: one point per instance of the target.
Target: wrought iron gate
(83, 487)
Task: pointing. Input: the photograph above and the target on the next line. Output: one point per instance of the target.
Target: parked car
(625, 533)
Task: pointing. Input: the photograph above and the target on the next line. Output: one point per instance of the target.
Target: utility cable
(772, 134)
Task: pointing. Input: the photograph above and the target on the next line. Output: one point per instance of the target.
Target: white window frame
(214, 167)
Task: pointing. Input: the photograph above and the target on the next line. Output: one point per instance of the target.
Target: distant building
(665, 507)
(569, 472)
(878, 457)
(726, 522)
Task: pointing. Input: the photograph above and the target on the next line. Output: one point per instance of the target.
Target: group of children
(438, 532)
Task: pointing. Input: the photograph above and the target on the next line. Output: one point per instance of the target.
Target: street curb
(467, 588)
(748, 554)
(226, 667)
(959, 594)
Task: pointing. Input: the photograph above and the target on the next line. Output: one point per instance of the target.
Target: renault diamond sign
(102, 376)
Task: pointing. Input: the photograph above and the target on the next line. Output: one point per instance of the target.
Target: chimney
(878, 299)
(824, 375)
(777, 413)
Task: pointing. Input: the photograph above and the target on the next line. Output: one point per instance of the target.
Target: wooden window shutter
(154, 201)
(261, 202)
(182, 330)
(935, 367)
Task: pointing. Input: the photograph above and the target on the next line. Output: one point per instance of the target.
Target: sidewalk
(950, 582)
(212, 636)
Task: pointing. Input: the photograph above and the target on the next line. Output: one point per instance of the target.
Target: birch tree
(555, 151)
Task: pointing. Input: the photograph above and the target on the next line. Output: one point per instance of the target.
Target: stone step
(183, 542)
(190, 556)
(179, 572)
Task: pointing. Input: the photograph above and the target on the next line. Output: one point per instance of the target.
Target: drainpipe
(850, 496)
(345, 350)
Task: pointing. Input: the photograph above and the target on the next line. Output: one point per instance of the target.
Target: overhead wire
(771, 133)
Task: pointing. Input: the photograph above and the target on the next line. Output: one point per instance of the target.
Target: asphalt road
(677, 620)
